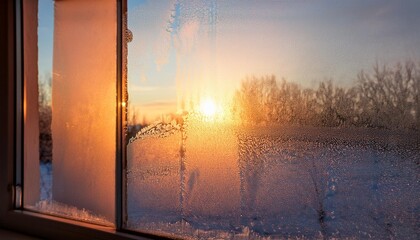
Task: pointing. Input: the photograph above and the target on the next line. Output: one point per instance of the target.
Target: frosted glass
(84, 105)
(211, 174)
(271, 120)
(154, 181)
(172, 177)
(69, 97)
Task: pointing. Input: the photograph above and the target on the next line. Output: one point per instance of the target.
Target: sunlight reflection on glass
(208, 108)
(236, 134)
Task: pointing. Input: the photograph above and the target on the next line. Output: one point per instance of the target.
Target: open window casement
(79, 96)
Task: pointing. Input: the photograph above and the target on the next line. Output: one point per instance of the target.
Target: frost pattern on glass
(224, 145)
(57, 208)
(285, 182)
(154, 180)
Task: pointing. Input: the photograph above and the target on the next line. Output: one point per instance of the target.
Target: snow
(48, 205)
(46, 181)
(281, 183)
(288, 183)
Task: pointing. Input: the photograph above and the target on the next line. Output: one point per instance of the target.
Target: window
(77, 66)
(256, 119)
(42, 35)
(210, 119)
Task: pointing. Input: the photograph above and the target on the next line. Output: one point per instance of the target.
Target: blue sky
(303, 41)
(45, 37)
(185, 48)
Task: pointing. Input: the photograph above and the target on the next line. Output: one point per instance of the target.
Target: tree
(45, 119)
(250, 102)
(387, 98)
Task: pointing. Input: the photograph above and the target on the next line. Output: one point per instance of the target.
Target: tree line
(386, 97)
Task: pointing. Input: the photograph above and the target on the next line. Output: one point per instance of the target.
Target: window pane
(275, 119)
(74, 78)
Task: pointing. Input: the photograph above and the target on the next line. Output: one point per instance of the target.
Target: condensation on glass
(70, 60)
(234, 133)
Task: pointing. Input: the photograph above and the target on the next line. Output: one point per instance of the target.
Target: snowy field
(273, 183)
(277, 183)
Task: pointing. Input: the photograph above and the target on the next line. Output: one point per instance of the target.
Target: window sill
(51, 227)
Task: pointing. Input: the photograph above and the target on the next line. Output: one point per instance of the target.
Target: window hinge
(17, 195)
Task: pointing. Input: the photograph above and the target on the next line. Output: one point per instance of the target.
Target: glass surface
(70, 96)
(274, 119)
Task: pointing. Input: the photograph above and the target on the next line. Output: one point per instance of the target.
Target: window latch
(17, 196)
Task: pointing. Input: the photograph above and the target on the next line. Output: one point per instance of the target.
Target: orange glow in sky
(208, 108)
(214, 110)
(177, 56)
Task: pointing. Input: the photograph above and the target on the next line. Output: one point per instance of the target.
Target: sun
(208, 108)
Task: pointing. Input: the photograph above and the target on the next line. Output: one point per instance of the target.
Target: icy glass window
(70, 79)
(278, 119)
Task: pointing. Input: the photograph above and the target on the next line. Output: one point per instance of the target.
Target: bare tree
(387, 96)
(334, 104)
(45, 119)
(415, 74)
(250, 101)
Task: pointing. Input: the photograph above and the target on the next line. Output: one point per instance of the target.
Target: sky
(45, 38)
(185, 51)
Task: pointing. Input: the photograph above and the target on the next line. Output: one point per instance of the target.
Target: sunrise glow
(208, 108)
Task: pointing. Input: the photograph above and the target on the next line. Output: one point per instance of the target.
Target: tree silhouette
(45, 118)
(386, 98)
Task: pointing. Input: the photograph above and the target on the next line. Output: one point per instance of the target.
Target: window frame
(11, 135)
